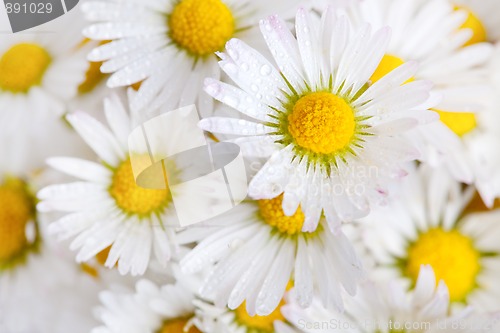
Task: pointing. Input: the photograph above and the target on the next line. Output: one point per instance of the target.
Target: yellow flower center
(451, 255)
(93, 77)
(132, 198)
(201, 27)
(459, 122)
(322, 122)
(22, 67)
(477, 205)
(89, 270)
(177, 326)
(258, 323)
(388, 63)
(101, 258)
(477, 27)
(271, 212)
(16, 210)
(136, 86)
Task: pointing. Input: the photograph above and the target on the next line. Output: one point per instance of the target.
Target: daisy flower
(106, 207)
(442, 38)
(481, 19)
(381, 308)
(150, 308)
(427, 226)
(331, 141)
(169, 45)
(39, 74)
(18, 228)
(253, 251)
(36, 277)
(223, 320)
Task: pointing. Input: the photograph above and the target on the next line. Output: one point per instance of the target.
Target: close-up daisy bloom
(39, 74)
(454, 55)
(254, 251)
(20, 234)
(52, 300)
(382, 308)
(106, 208)
(482, 19)
(149, 308)
(332, 141)
(215, 319)
(170, 45)
(427, 225)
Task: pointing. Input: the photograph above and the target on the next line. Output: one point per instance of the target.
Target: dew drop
(213, 89)
(265, 70)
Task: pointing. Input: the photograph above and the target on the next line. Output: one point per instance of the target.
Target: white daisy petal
(274, 285)
(82, 169)
(233, 126)
(238, 99)
(284, 49)
(97, 137)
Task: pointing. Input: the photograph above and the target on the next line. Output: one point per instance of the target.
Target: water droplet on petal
(213, 89)
(265, 70)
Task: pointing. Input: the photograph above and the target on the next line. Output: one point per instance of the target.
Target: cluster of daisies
(370, 133)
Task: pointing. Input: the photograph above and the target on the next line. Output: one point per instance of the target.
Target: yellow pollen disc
(136, 86)
(322, 122)
(134, 199)
(102, 256)
(22, 67)
(93, 77)
(388, 63)
(89, 270)
(258, 323)
(459, 122)
(177, 326)
(451, 255)
(474, 23)
(477, 205)
(272, 213)
(201, 27)
(16, 210)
